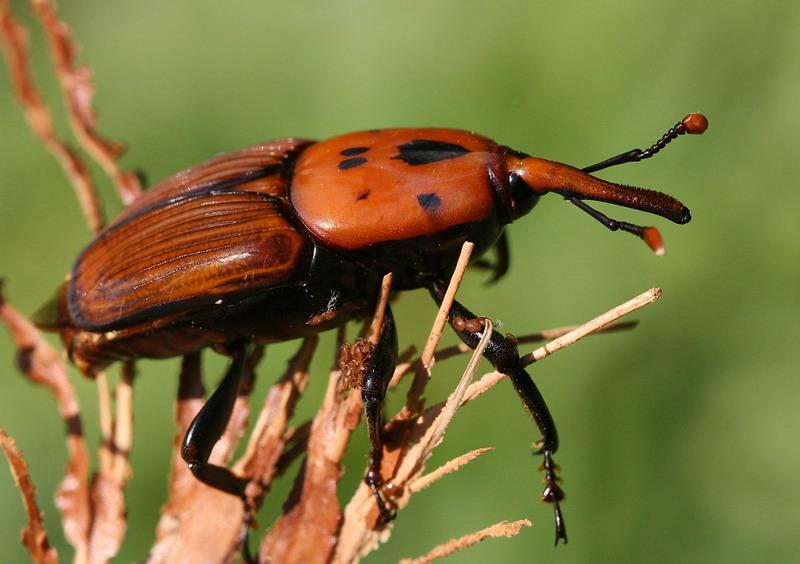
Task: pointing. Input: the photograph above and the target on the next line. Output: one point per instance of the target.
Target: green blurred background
(679, 439)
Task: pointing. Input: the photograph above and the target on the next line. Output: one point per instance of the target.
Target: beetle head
(540, 176)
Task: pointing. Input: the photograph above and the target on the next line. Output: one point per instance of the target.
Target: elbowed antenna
(577, 185)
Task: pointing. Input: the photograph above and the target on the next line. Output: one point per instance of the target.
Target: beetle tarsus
(374, 481)
(553, 494)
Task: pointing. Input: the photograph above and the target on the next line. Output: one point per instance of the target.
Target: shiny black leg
(500, 265)
(379, 372)
(502, 353)
(208, 426)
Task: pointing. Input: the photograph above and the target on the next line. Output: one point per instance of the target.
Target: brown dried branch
(498, 530)
(439, 322)
(407, 364)
(34, 536)
(78, 92)
(601, 323)
(109, 522)
(596, 324)
(44, 366)
(181, 481)
(448, 467)
(40, 119)
(96, 522)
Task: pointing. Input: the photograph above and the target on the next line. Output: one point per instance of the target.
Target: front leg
(379, 370)
(502, 353)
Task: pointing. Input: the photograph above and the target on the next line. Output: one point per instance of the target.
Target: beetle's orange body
(292, 237)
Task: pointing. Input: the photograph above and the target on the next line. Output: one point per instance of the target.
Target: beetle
(292, 237)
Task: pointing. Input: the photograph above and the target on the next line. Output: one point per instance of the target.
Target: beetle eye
(522, 197)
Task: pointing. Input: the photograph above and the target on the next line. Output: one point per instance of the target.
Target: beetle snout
(544, 176)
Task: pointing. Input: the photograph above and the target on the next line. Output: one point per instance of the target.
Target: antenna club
(653, 239)
(695, 123)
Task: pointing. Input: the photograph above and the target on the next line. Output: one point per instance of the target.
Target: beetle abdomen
(200, 250)
(372, 187)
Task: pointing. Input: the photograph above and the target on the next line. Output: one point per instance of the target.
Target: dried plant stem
(34, 536)
(377, 318)
(78, 91)
(594, 325)
(109, 522)
(45, 366)
(600, 323)
(40, 119)
(123, 423)
(439, 322)
(410, 364)
(94, 522)
(498, 530)
(447, 468)
(414, 402)
(105, 418)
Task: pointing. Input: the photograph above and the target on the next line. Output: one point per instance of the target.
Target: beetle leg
(208, 426)
(500, 266)
(502, 353)
(373, 389)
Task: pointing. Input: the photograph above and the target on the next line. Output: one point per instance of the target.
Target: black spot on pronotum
(429, 202)
(353, 151)
(425, 151)
(363, 195)
(351, 163)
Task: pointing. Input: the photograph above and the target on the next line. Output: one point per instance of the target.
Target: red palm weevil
(292, 237)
